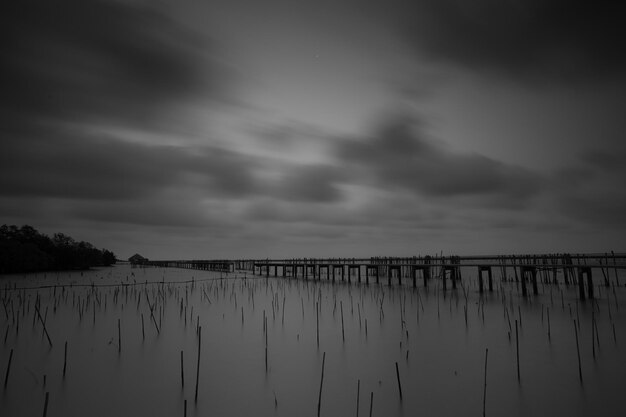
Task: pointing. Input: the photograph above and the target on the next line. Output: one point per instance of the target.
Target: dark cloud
(310, 183)
(531, 40)
(183, 212)
(78, 165)
(591, 190)
(97, 61)
(399, 156)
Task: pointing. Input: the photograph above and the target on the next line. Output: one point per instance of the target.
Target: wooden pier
(525, 269)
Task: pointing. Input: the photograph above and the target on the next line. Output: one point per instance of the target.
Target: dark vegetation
(24, 249)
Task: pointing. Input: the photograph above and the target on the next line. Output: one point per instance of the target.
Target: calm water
(439, 349)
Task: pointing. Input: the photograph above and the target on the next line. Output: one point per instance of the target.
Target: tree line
(24, 249)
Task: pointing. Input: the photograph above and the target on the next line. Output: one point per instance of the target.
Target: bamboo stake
(580, 372)
(6, 375)
(44, 325)
(317, 321)
(119, 337)
(319, 400)
(65, 360)
(343, 336)
(358, 393)
(485, 386)
(593, 342)
(517, 349)
(182, 371)
(399, 383)
(198, 363)
(45, 405)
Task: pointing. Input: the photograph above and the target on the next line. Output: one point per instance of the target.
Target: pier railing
(527, 269)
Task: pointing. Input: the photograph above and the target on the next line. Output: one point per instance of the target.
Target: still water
(261, 344)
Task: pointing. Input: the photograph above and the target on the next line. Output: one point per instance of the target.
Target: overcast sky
(244, 128)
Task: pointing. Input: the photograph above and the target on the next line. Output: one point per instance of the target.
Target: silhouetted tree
(24, 249)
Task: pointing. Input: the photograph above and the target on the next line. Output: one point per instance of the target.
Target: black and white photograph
(312, 208)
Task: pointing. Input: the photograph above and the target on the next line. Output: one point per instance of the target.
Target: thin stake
(580, 372)
(358, 393)
(319, 400)
(143, 333)
(593, 342)
(44, 325)
(283, 322)
(614, 336)
(65, 360)
(45, 405)
(485, 386)
(343, 336)
(517, 346)
(371, 402)
(119, 337)
(182, 371)
(6, 375)
(317, 321)
(198, 364)
(399, 383)
(185, 412)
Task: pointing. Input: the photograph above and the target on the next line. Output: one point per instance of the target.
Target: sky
(207, 129)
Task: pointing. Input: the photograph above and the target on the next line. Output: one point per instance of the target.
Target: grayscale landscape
(316, 208)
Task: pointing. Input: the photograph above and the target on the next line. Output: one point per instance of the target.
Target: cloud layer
(108, 124)
(544, 41)
(399, 155)
(98, 61)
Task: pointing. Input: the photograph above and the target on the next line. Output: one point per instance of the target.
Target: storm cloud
(89, 166)
(97, 61)
(278, 128)
(551, 41)
(399, 155)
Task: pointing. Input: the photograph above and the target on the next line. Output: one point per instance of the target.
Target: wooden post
(358, 393)
(485, 386)
(319, 400)
(399, 384)
(580, 372)
(45, 405)
(317, 323)
(581, 285)
(198, 363)
(517, 347)
(589, 283)
(65, 360)
(343, 336)
(182, 370)
(6, 375)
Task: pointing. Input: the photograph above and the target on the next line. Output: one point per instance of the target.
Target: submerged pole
(399, 383)
(198, 363)
(6, 375)
(485, 386)
(319, 400)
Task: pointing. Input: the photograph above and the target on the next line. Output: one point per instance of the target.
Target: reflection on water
(437, 338)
